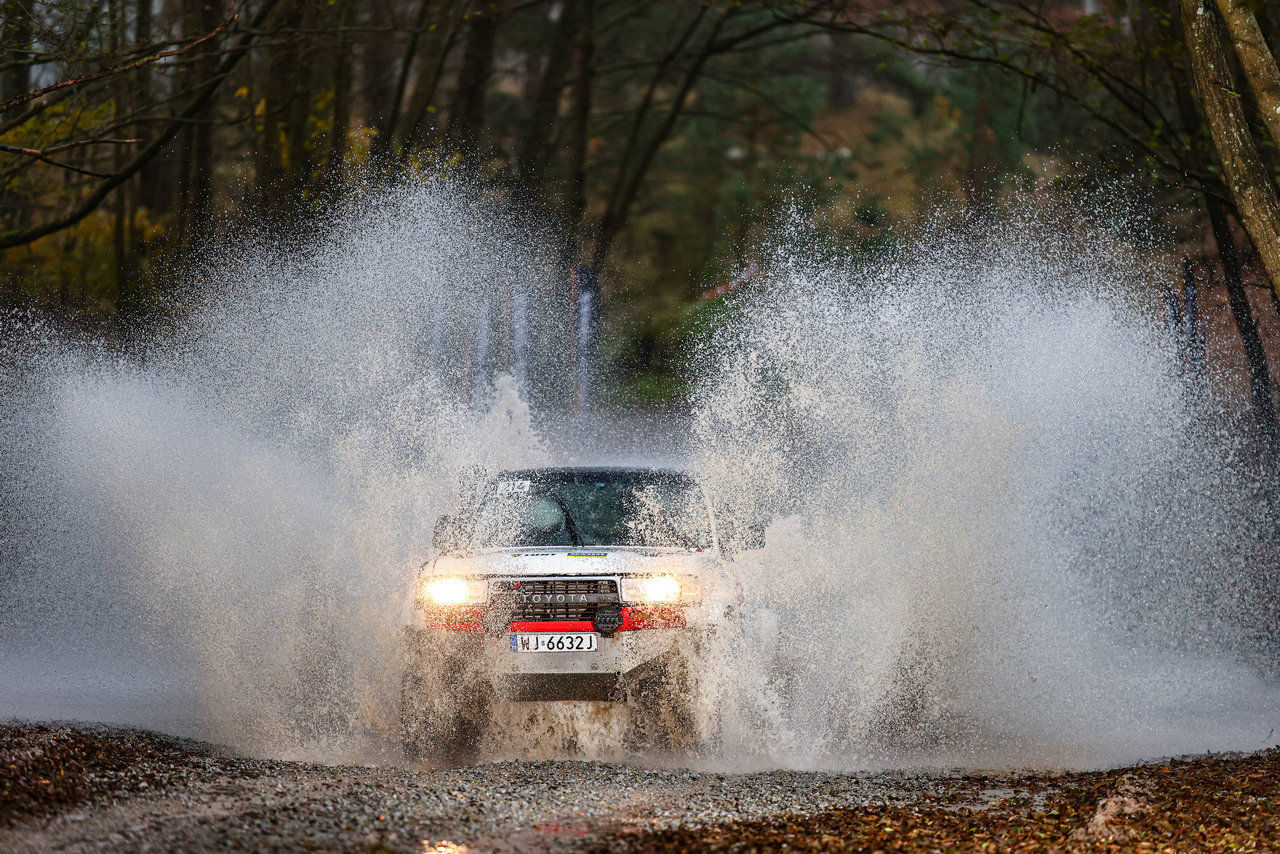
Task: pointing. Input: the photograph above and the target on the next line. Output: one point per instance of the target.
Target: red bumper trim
(460, 620)
(635, 619)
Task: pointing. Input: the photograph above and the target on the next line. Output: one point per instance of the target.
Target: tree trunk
(149, 178)
(1255, 356)
(298, 130)
(981, 173)
(120, 244)
(1259, 376)
(16, 81)
(1250, 185)
(181, 204)
(278, 89)
(195, 177)
(1256, 59)
(119, 236)
(382, 143)
(576, 194)
(342, 83)
(535, 149)
(1268, 17)
(440, 42)
(202, 143)
(377, 62)
(466, 109)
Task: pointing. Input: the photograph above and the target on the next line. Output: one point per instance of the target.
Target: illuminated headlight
(456, 591)
(662, 589)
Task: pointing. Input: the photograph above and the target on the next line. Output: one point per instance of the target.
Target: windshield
(654, 509)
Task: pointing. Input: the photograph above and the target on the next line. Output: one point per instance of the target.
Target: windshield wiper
(568, 520)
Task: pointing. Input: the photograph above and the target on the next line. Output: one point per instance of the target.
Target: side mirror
(751, 537)
(449, 536)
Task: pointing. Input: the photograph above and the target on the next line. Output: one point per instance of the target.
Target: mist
(1004, 527)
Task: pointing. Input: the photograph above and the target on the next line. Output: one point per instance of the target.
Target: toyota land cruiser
(567, 584)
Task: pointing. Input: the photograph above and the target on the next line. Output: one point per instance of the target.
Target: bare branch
(94, 199)
(40, 155)
(121, 69)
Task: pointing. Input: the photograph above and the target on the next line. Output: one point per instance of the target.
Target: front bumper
(603, 674)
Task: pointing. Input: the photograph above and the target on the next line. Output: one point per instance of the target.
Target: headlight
(456, 591)
(662, 589)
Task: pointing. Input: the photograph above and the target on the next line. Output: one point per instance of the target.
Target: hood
(604, 560)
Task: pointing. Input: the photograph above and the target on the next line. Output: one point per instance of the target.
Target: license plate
(555, 642)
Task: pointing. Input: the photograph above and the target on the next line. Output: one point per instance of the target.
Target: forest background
(652, 141)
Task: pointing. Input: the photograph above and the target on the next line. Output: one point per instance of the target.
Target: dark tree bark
(298, 127)
(211, 13)
(149, 180)
(282, 57)
(534, 156)
(120, 242)
(982, 171)
(576, 191)
(1264, 411)
(1269, 22)
(382, 143)
(1251, 187)
(195, 178)
(377, 63)
(342, 90)
(16, 79)
(415, 128)
(466, 108)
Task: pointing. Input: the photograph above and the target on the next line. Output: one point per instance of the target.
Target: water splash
(253, 499)
(1005, 531)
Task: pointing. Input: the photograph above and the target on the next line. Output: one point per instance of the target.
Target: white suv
(567, 584)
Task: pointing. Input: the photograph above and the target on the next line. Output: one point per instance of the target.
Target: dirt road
(85, 789)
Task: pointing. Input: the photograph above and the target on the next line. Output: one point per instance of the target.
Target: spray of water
(1004, 530)
(254, 497)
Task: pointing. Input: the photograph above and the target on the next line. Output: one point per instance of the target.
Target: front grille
(544, 613)
(547, 599)
(557, 586)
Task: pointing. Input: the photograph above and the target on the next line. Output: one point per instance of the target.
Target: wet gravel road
(86, 789)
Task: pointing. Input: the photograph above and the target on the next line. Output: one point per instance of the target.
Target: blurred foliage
(669, 142)
(854, 140)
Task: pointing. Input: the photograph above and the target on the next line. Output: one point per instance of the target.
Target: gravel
(75, 788)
